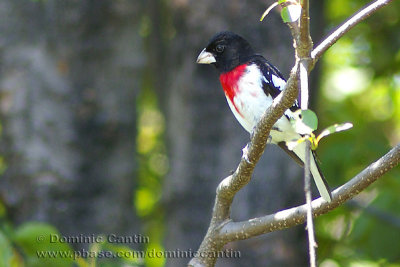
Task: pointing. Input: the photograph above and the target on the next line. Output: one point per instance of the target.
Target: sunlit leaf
(334, 129)
(291, 12)
(305, 121)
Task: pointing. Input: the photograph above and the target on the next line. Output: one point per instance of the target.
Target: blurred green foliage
(361, 84)
(153, 165)
(35, 244)
(20, 246)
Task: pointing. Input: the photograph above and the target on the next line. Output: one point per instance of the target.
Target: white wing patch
(278, 82)
(281, 83)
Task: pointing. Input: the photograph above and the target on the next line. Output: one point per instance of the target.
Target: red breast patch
(229, 81)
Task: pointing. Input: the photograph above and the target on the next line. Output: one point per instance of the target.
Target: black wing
(271, 75)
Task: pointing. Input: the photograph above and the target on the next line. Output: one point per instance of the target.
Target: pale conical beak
(205, 57)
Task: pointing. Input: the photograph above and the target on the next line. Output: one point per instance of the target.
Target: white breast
(251, 102)
(250, 99)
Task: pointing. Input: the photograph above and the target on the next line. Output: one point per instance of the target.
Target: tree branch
(233, 231)
(304, 40)
(303, 52)
(347, 26)
(233, 183)
(221, 233)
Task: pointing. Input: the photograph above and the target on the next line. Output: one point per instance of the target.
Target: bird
(250, 84)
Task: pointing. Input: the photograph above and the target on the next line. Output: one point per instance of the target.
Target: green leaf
(34, 238)
(291, 12)
(305, 121)
(334, 129)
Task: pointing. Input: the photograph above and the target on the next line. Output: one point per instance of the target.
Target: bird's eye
(219, 48)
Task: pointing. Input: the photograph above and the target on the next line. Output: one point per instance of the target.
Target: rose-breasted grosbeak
(250, 84)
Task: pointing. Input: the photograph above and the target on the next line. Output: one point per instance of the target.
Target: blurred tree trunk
(205, 141)
(70, 72)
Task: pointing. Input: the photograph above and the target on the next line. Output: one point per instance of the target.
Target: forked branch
(222, 229)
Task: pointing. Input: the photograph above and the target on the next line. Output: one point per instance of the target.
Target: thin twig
(347, 26)
(303, 51)
(304, 94)
(307, 191)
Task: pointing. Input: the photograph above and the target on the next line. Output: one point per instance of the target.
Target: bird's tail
(319, 179)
